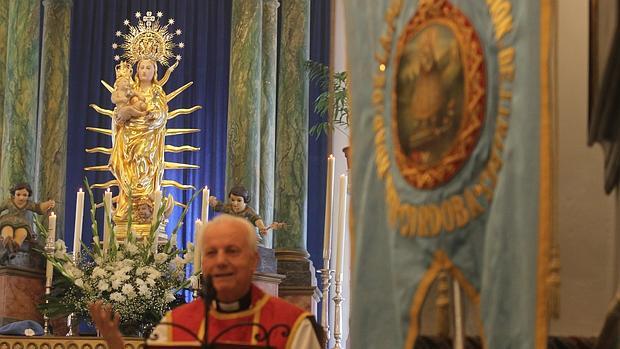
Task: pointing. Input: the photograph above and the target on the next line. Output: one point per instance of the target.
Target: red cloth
(264, 309)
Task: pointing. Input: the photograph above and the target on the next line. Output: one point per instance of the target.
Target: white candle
(107, 203)
(329, 201)
(197, 245)
(51, 230)
(204, 216)
(342, 218)
(79, 216)
(51, 239)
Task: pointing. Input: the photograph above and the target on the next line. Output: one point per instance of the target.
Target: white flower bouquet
(139, 283)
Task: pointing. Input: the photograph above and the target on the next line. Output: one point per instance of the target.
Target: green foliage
(319, 73)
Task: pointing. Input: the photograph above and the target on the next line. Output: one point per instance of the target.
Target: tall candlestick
(49, 268)
(329, 201)
(338, 299)
(204, 216)
(79, 216)
(107, 204)
(197, 245)
(342, 215)
(51, 239)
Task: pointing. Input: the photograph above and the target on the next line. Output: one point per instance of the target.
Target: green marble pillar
(53, 101)
(20, 95)
(292, 130)
(244, 101)
(4, 22)
(268, 112)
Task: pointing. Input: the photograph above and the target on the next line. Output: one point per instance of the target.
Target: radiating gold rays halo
(148, 40)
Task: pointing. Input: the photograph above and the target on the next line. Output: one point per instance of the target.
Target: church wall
(587, 231)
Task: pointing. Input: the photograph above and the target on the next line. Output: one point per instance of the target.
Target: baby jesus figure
(129, 103)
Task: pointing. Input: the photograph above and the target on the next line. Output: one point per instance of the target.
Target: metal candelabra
(196, 290)
(338, 312)
(326, 275)
(70, 317)
(49, 251)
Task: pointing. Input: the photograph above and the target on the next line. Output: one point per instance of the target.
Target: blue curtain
(317, 148)
(205, 30)
(205, 27)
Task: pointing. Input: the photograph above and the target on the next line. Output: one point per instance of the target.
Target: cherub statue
(144, 210)
(15, 225)
(239, 198)
(129, 102)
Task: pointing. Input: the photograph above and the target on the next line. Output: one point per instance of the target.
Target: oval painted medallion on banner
(439, 96)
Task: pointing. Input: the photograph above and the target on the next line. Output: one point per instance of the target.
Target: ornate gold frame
(472, 60)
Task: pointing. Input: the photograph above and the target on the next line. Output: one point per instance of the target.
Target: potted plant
(339, 120)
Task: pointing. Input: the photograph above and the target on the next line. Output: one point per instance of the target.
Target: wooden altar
(21, 289)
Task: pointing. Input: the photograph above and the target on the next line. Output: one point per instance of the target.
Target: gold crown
(148, 40)
(123, 69)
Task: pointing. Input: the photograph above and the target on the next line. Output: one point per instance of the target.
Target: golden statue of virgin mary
(138, 127)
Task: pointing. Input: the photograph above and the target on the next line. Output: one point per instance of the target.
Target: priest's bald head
(230, 256)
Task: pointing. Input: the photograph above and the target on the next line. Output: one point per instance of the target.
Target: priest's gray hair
(245, 228)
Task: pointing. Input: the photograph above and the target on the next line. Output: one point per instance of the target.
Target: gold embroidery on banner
(459, 209)
(449, 219)
(501, 17)
(506, 59)
(438, 97)
(505, 94)
(461, 215)
(441, 261)
(379, 81)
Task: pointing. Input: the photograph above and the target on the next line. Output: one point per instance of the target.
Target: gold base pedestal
(140, 230)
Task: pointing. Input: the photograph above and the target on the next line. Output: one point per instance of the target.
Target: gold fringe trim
(418, 300)
(545, 214)
(554, 282)
(440, 262)
(443, 304)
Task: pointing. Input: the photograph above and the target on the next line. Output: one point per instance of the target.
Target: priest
(229, 260)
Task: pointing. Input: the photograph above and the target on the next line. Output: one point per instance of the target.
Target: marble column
(244, 101)
(20, 95)
(291, 187)
(268, 112)
(4, 22)
(53, 103)
(292, 130)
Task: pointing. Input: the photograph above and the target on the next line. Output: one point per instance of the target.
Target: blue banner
(456, 115)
